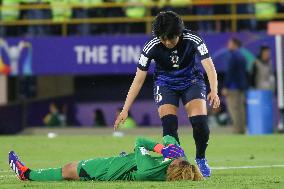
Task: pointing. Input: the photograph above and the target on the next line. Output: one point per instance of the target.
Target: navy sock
(27, 174)
(170, 126)
(200, 134)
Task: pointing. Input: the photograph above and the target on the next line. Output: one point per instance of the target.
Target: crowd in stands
(59, 10)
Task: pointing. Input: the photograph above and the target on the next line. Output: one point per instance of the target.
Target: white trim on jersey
(192, 39)
(150, 42)
(152, 46)
(193, 36)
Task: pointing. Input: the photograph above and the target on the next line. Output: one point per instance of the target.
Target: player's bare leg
(168, 115)
(196, 107)
(69, 171)
(197, 112)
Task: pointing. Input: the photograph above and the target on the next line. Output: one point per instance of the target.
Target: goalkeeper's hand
(172, 151)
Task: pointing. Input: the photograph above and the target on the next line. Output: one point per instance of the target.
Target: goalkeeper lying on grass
(140, 165)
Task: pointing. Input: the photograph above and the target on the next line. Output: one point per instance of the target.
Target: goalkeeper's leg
(67, 172)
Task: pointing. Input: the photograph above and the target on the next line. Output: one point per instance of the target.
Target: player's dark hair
(237, 42)
(168, 25)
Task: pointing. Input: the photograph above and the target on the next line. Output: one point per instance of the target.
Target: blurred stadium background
(69, 63)
(66, 66)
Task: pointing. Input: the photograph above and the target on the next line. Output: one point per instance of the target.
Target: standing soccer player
(177, 76)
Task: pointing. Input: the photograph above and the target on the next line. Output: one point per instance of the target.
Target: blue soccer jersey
(176, 68)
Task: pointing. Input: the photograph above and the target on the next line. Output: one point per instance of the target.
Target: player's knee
(69, 171)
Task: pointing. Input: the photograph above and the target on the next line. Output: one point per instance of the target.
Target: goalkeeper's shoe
(17, 166)
(203, 167)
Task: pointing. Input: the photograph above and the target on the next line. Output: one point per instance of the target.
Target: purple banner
(103, 54)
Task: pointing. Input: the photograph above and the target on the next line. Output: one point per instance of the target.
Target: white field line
(247, 167)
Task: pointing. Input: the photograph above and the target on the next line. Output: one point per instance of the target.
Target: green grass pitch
(223, 151)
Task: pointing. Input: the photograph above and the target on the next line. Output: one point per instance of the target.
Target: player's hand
(172, 151)
(213, 99)
(120, 119)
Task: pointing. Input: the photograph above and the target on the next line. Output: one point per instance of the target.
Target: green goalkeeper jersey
(139, 165)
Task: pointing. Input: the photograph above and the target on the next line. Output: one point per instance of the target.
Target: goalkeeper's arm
(170, 150)
(155, 146)
(149, 145)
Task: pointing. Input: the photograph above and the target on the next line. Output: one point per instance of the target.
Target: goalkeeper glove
(172, 151)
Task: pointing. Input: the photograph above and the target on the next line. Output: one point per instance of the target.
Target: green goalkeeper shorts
(93, 169)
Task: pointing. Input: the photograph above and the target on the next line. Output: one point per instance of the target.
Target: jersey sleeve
(147, 54)
(149, 168)
(146, 143)
(200, 46)
(143, 159)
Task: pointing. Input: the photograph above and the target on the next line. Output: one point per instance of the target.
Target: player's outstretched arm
(146, 143)
(169, 151)
(210, 70)
(132, 94)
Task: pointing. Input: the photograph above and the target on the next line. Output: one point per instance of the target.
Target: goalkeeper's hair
(168, 25)
(183, 171)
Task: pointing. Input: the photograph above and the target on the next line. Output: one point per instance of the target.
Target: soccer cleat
(17, 166)
(203, 167)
